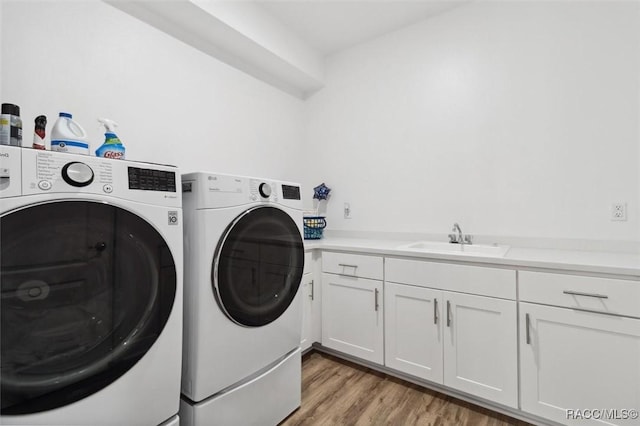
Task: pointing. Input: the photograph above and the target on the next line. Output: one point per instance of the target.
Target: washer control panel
(77, 174)
(151, 179)
(59, 171)
(10, 171)
(56, 172)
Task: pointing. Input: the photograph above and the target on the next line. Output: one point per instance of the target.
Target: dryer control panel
(216, 190)
(290, 192)
(261, 190)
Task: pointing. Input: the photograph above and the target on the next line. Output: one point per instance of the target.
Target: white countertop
(570, 260)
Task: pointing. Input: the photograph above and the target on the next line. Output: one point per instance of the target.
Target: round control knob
(77, 174)
(265, 190)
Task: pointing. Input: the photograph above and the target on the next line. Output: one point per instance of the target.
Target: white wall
(1, 56)
(511, 118)
(174, 104)
(514, 119)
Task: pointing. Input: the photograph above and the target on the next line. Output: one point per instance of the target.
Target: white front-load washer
(244, 258)
(91, 281)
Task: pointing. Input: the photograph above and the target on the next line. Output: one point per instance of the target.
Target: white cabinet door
(480, 347)
(577, 360)
(352, 316)
(306, 287)
(413, 330)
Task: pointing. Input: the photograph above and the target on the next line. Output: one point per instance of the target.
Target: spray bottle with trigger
(112, 147)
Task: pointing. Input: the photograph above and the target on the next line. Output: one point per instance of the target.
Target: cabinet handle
(312, 290)
(448, 313)
(376, 301)
(435, 311)
(344, 265)
(527, 326)
(578, 293)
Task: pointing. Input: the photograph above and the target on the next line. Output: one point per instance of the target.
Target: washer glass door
(87, 288)
(258, 266)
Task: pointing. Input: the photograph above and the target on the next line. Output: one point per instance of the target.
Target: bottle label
(16, 132)
(73, 147)
(115, 151)
(10, 133)
(5, 130)
(114, 154)
(64, 143)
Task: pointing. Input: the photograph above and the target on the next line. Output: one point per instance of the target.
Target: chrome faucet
(459, 238)
(456, 227)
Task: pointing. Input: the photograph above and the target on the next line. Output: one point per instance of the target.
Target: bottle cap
(11, 109)
(66, 114)
(41, 121)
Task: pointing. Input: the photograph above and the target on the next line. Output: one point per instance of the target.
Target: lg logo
(173, 218)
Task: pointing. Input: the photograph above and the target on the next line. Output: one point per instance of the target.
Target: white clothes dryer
(91, 281)
(244, 258)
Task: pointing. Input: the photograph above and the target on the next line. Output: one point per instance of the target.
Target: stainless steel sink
(493, 250)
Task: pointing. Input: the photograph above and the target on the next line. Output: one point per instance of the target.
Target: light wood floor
(338, 392)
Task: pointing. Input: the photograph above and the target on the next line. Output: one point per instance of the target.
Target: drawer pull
(578, 293)
(527, 325)
(376, 300)
(435, 311)
(344, 265)
(312, 290)
(448, 313)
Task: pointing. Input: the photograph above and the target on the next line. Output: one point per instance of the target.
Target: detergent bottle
(68, 136)
(112, 147)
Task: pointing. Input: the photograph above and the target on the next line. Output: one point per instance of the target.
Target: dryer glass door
(86, 290)
(258, 266)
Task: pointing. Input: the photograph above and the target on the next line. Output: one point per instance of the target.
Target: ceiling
(281, 42)
(329, 26)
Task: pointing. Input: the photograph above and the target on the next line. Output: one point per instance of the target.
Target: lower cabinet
(352, 316)
(413, 330)
(574, 338)
(463, 341)
(308, 295)
(481, 347)
(574, 360)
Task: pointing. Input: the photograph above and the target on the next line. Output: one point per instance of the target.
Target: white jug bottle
(68, 136)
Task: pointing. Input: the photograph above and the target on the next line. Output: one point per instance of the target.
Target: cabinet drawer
(478, 280)
(353, 265)
(606, 295)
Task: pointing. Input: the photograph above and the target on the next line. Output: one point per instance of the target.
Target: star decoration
(321, 192)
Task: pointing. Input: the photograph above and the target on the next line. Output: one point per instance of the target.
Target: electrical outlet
(347, 211)
(619, 211)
